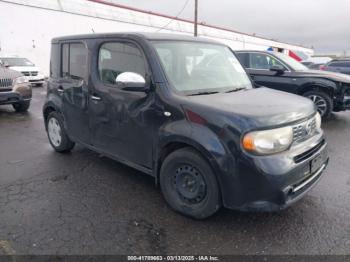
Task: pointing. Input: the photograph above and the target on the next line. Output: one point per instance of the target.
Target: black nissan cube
(183, 110)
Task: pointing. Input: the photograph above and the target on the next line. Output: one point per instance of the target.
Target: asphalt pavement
(85, 203)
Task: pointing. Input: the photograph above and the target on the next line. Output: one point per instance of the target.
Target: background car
(340, 65)
(319, 66)
(307, 63)
(329, 91)
(312, 65)
(14, 89)
(26, 67)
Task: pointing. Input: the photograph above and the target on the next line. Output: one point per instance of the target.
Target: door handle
(60, 89)
(95, 98)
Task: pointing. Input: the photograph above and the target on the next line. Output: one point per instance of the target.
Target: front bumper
(19, 93)
(342, 101)
(271, 183)
(38, 79)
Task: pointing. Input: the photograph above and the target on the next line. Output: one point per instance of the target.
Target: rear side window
(116, 58)
(74, 60)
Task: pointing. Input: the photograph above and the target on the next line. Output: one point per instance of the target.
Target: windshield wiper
(235, 90)
(204, 93)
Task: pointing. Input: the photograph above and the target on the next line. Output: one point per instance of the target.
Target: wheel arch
(178, 142)
(328, 88)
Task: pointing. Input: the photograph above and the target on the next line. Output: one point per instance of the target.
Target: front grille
(304, 130)
(307, 154)
(33, 73)
(5, 82)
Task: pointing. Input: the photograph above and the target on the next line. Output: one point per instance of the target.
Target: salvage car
(26, 67)
(329, 91)
(183, 110)
(14, 89)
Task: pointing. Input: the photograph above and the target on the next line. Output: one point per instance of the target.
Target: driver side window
(261, 61)
(116, 58)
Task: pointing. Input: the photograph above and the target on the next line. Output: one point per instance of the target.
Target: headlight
(268, 141)
(20, 80)
(318, 121)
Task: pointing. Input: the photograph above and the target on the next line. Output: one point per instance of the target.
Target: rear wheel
(21, 106)
(56, 133)
(189, 185)
(322, 101)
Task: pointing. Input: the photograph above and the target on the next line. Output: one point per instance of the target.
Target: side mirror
(278, 69)
(6, 65)
(131, 82)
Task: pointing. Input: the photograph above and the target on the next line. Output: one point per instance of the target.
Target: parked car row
(186, 112)
(340, 65)
(26, 67)
(14, 89)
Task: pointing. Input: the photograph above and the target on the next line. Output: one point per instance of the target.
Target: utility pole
(195, 17)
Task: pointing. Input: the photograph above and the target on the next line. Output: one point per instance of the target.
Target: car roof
(144, 35)
(341, 59)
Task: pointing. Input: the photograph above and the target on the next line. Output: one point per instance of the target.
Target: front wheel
(56, 133)
(323, 102)
(189, 184)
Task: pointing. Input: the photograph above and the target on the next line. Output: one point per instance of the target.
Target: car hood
(252, 108)
(324, 74)
(25, 68)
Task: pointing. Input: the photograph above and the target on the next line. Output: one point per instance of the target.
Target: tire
(21, 106)
(56, 133)
(323, 102)
(185, 170)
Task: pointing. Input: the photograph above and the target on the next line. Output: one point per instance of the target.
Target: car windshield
(16, 61)
(201, 68)
(291, 62)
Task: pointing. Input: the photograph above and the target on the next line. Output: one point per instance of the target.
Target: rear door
(72, 86)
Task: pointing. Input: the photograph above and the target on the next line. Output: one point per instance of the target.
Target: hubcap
(320, 103)
(54, 130)
(189, 184)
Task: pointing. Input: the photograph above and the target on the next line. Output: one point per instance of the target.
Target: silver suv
(14, 89)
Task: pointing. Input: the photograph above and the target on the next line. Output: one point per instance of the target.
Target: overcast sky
(323, 24)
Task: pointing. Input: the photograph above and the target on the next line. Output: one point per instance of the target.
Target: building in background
(27, 27)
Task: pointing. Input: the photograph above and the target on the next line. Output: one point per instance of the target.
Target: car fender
(329, 85)
(201, 138)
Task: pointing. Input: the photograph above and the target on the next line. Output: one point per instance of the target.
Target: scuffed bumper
(275, 182)
(22, 92)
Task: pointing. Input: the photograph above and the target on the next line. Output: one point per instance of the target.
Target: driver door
(259, 70)
(121, 121)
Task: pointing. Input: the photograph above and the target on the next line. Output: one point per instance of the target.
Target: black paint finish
(132, 128)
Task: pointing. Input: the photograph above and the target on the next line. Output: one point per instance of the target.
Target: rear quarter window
(55, 61)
